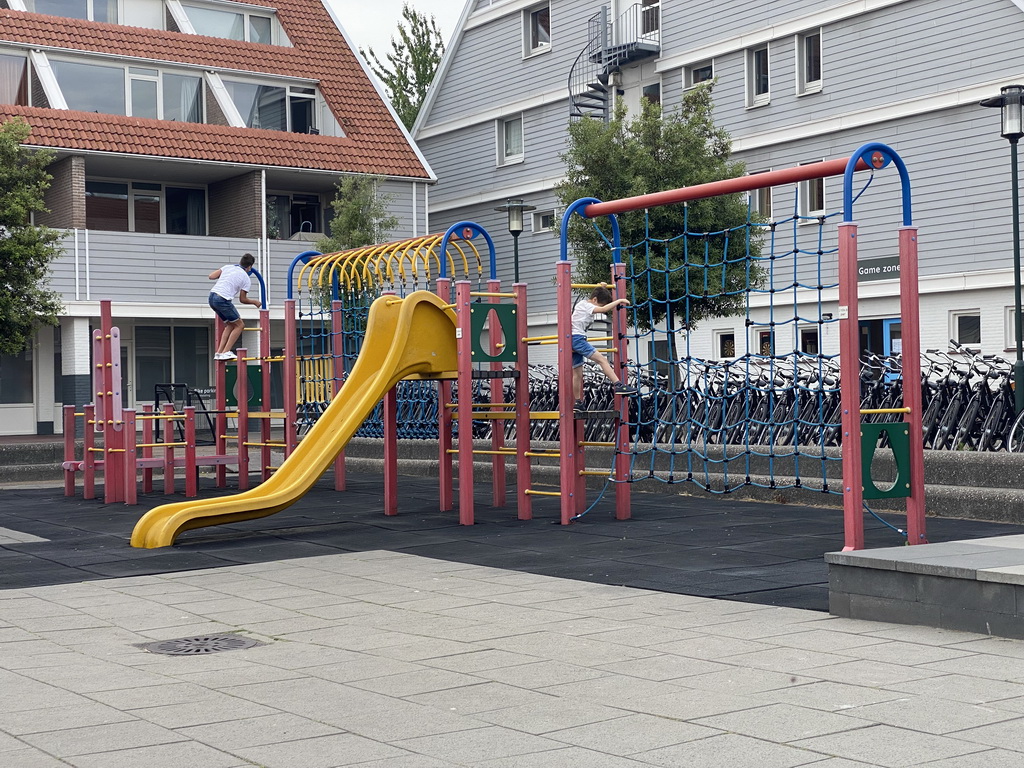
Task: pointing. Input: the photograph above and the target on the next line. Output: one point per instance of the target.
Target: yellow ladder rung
(884, 410)
(531, 492)
(541, 415)
(544, 454)
(594, 472)
(591, 285)
(158, 445)
(528, 339)
(265, 445)
(492, 295)
(596, 444)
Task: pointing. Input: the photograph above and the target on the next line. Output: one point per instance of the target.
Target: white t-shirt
(232, 280)
(582, 317)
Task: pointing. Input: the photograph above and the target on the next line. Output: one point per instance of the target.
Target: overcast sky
(372, 23)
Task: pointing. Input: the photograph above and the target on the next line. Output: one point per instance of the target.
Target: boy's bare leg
(605, 366)
(230, 335)
(577, 382)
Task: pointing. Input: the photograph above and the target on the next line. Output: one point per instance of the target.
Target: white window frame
(801, 330)
(1010, 334)
(758, 99)
(290, 93)
(716, 341)
(529, 49)
(689, 82)
(804, 85)
(762, 197)
(805, 191)
(645, 86)
(503, 158)
(90, 10)
(756, 341)
(537, 221)
(954, 325)
(276, 33)
(130, 77)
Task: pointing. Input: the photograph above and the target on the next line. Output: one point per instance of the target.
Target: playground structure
(359, 362)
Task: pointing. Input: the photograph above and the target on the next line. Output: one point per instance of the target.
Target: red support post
(291, 376)
(498, 479)
(910, 311)
(265, 400)
(191, 468)
(131, 453)
(242, 367)
(623, 503)
(169, 448)
(68, 421)
(89, 453)
(444, 423)
(464, 346)
(524, 473)
(221, 420)
(147, 451)
(566, 422)
(849, 372)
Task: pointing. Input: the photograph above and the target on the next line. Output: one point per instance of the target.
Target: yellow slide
(410, 337)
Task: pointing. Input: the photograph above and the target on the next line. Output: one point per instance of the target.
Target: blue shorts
(225, 309)
(581, 349)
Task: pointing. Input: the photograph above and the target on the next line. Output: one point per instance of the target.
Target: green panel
(252, 372)
(506, 314)
(899, 442)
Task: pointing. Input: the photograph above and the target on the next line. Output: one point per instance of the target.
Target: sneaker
(218, 356)
(579, 408)
(228, 356)
(624, 389)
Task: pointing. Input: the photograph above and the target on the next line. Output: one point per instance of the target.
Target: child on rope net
(598, 303)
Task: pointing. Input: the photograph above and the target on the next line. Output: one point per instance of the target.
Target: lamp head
(1011, 105)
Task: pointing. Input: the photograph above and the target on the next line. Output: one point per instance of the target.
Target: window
(274, 107)
(809, 341)
(812, 197)
(757, 76)
(16, 378)
(537, 29)
(1011, 329)
(93, 10)
(230, 25)
(104, 88)
(651, 93)
(191, 356)
(144, 88)
(650, 16)
(766, 342)
(289, 214)
(808, 70)
(510, 140)
(13, 80)
(91, 87)
(725, 344)
(761, 199)
(544, 221)
(182, 98)
(144, 207)
(966, 326)
(698, 73)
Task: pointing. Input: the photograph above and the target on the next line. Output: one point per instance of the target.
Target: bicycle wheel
(1015, 441)
(967, 429)
(947, 424)
(930, 420)
(993, 429)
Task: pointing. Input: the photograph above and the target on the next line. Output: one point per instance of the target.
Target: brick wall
(214, 114)
(236, 206)
(66, 196)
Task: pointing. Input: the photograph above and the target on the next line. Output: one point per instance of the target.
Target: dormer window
(277, 108)
(230, 25)
(92, 10)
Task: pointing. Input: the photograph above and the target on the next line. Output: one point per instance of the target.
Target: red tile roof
(373, 142)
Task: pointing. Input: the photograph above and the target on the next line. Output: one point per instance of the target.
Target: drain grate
(201, 645)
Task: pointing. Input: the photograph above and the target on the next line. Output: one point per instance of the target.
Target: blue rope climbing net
(727, 404)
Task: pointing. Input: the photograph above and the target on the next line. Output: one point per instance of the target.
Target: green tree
(411, 64)
(652, 152)
(361, 215)
(26, 250)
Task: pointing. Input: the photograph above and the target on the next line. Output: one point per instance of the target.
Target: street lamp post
(1010, 101)
(515, 209)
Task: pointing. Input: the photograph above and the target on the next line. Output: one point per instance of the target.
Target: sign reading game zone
(884, 268)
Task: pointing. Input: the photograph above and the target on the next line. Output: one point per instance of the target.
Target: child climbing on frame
(598, 303)
(232, 280)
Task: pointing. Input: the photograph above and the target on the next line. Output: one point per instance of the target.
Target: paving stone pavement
(382, 659)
